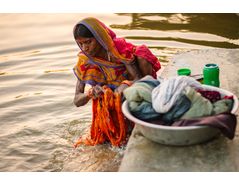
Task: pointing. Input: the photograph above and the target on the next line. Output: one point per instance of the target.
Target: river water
(38, 121)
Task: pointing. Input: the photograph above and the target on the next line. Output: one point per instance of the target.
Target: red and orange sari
(93, 70)
(108, 122)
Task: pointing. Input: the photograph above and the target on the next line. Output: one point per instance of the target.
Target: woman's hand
(95, 91)
(121, 88)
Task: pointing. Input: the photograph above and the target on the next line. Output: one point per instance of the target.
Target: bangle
(127, 82)
(89, 93)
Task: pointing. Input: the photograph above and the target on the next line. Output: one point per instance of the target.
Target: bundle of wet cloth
(180, 101)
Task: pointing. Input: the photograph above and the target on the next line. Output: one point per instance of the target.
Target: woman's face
(89, 45)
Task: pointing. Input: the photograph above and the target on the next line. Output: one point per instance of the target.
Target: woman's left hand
(121, 88)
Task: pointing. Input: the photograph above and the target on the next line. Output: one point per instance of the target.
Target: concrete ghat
(220, 154)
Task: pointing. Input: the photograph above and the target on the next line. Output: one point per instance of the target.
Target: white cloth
(169, 91)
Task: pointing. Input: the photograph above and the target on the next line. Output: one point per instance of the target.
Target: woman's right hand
(95, 91)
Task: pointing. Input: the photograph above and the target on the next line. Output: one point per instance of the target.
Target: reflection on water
(39, 122)
(224, 25)
(221, 30)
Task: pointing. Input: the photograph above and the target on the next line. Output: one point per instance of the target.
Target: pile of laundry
(180, 101)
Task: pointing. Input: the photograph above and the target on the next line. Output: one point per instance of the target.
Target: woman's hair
(82, 31)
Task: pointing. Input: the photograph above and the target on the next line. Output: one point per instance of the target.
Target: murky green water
(38, 120)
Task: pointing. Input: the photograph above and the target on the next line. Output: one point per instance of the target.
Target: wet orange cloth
(108, 122)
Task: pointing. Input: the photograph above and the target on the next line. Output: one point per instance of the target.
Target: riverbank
(218, 155)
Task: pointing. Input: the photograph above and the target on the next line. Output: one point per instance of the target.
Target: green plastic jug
(211, 75)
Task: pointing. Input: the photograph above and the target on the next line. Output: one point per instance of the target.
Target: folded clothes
(170, 90)
(139, 97)
(200, 106)
(225, 122)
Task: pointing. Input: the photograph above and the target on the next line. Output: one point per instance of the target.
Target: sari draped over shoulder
(94, 70)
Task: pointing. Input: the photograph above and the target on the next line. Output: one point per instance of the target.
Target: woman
(107, 60)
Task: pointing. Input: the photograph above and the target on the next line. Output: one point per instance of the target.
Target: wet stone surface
(219, 154)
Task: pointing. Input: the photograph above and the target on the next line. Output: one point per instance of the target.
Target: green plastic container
(184, 72)
(211, 75)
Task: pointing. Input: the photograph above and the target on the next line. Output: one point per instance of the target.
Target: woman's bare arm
(134, 71)
(80, 98)
(139, 69)
(144, 66)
